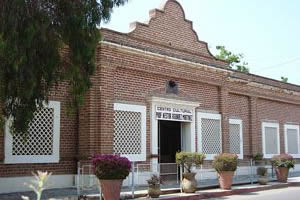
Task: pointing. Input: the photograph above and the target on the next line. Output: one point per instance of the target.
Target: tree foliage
(284, 79)
(234, 60)
(33, 34)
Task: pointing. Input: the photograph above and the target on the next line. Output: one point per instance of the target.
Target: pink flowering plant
(109, 166)
(283, 160)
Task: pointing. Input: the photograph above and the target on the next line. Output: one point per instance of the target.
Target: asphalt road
(291, 193)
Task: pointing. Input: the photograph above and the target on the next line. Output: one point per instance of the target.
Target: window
(270, 136)
(42, 143)
(209, 137)
(291, 139)
(130, 131)
(236, 137)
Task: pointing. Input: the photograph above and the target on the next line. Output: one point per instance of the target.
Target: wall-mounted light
(172, 87)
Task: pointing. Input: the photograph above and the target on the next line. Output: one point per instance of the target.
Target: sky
(266, 32)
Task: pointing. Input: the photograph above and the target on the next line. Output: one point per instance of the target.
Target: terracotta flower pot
(111, 189)
(154, 191)
(189, 183)
(225, 179)
(282, 174)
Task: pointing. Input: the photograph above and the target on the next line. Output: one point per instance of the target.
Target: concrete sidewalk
(169, 194)
(214, 193)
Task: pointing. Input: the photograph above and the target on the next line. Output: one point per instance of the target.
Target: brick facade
(134, 66)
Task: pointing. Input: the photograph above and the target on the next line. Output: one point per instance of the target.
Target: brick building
(157, 90)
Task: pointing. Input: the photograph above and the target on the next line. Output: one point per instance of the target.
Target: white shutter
(209, 134)
(291, 136)
(130, 131)
(42, 142)
(271, 141)
(236, 137)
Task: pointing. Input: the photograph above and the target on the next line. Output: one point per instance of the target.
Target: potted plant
(111, 170)
(225, 164)
(262, 172)
(154, 186)
(283, 163)
(258, 159)
(187, 160)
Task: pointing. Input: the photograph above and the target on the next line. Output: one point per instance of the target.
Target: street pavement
(290, 193)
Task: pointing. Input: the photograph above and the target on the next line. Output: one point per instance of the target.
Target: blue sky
(267, 32)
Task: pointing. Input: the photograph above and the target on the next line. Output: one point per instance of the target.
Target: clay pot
(111, 189)
(225, 179)
(154, 191)
(263, 180)
(189, 183)
(282, 174)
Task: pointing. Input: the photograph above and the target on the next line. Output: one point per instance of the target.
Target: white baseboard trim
(16, 184)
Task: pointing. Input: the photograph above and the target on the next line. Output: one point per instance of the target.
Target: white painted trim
(54, 158)
(154, 136)
(157, 101)
(272, 125)
(239, 122)
(200, 116)
(16, 184)
(296, 127)
(141, 109)
(139, 51)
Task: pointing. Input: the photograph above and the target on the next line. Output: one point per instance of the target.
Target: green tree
(234, 60)
(284, 79)
(34, 35)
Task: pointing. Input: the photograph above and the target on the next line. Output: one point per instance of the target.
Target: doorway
(169, 140)
(169, 143)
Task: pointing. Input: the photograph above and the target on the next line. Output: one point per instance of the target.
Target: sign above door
(174, 113)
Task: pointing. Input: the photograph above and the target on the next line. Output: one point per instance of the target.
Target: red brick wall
(169, 27)
(238, 107)
(278, 112)
(134, 87)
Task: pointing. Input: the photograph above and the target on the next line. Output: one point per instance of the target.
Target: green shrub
(262, 171)
(258, 156)
(225, 162)
(283, 160)
(154, 180)
(189, 159)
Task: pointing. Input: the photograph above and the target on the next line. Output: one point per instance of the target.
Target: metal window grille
(211, 136)
(271, 141)
(127, 132)
(39, 140)
(292, 141)
(234, 138)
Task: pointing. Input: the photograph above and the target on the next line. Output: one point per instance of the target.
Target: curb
(206, 195)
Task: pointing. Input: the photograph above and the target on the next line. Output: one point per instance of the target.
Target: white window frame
(291, 126)
(271, 125)
(239, 122)
(54, 158)
(141, 109)
(200, 116)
